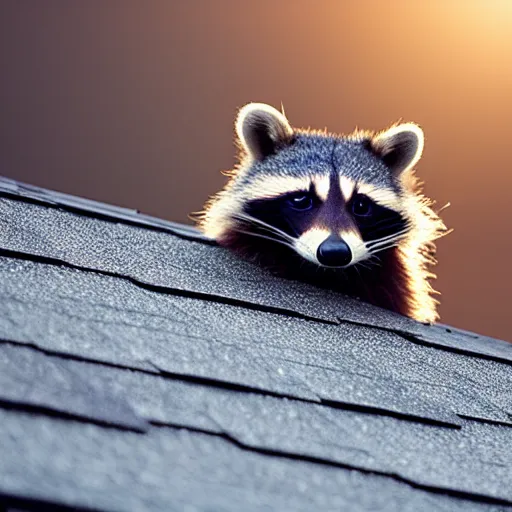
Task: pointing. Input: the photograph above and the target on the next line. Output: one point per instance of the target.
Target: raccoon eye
(362, 206)
(301, 202)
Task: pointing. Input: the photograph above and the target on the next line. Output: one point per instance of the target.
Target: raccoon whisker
(356, 268)
(403, 232)
(364, 264)
(292, 242)
(259, 235)
(375, 259)
(377, 241)
(389, 245)
(386, 242)
(363, 283)
(385, 247)
(253, 220)
(270, 232)
(372, 261)
(383, 243)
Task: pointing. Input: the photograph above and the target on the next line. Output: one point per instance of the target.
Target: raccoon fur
(343, 212)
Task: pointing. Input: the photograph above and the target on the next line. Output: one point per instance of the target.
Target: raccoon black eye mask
(342, 211)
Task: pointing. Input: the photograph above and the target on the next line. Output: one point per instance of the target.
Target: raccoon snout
(334, 252)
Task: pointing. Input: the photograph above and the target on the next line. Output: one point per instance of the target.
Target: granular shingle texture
(144, 368)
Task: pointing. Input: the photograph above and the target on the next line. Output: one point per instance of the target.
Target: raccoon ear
(399, 147)
(262, 130)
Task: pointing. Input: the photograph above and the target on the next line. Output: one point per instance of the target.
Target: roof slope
(144, 368)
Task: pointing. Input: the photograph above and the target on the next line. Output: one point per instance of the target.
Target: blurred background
(132, 103)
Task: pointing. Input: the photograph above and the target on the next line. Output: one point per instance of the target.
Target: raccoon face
(335, 232)
(336, 201)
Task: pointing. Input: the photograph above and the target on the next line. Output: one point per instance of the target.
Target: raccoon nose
(334, 252)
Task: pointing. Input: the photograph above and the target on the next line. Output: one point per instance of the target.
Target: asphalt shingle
(143, 368)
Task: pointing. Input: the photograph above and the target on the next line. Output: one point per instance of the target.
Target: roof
(144, 368)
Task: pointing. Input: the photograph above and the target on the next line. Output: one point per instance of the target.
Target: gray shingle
(370, 442)
(29, 379)
(247, 391)
(168, 469)
(159, 260)
(282, 355)
(113, 319)
(51, 198)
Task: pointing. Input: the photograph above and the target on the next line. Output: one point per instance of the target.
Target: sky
(133, 102)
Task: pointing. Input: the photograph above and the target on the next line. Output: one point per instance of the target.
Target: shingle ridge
(20, 191)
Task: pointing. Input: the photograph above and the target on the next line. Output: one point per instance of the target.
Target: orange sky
(133, 102)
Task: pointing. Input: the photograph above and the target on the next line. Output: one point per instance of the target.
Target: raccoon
(344, 212)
